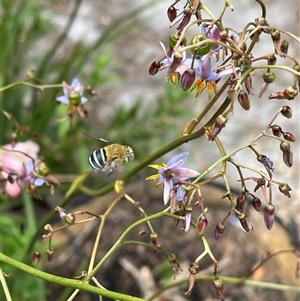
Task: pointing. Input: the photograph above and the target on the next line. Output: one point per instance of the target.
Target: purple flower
(72, 94)
(28, 177)
(172, 174)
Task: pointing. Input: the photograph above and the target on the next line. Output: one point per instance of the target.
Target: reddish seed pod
(272, 60)
(172, 13)
(154, 67)
(276, 130)
(201, 224)
(256, 203)
(35, 257)
(286, 111)
(244, 100)
(219, 231)
(289, 137)
(287, 157)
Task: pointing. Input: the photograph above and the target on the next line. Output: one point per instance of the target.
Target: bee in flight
(110, 156)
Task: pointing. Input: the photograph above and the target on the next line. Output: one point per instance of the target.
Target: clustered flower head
(196, 71)
(73, 97)
(172, 175)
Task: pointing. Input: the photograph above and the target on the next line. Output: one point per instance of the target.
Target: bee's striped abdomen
(98, 159)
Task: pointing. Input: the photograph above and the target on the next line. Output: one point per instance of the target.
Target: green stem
(77, 284)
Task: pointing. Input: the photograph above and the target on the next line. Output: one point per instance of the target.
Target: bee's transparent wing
(93, 137)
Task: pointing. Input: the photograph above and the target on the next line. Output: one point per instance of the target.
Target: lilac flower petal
(168, 185)
(188, 218)
(83, 100)
(38, 182)
(185, 173)
(177, 160)
(180, 194)
(75, 83)
(63, 99)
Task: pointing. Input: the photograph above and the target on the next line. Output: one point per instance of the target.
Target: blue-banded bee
(110, 156)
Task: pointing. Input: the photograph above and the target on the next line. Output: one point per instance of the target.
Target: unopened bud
(219, 231)
(201, 224)
(154, 238)
(245, 222)
(187, 79)
(276, 130)
(244, 100)
(285, 146)
(272, 60)
(48, 229)
(269, 216)
(290, 93)
(256, 203)
(35, 257)
(286, 111)
(50, 255)
(285, 189)
(219, 287)
(69, 219)
(219, 124)
(154, 67)
(284, 47)
(172, 13)
(262, 22)
(269, 77)
(289, 137)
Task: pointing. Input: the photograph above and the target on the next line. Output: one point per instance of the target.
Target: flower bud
(244, 100)
(288, 158)
(245, 222)
(290, 93)
(201, 224)
(187, 79)
(284, 47)
(35, 257)
(289, 137)
(285, 189)
(50, 255)
(269, 216)
(272, 60)
(285, 146)
(69, 219)
(262, 22)
(219, 287)
(154, 238)
(276, 130)
(275, 35)
(286, 111)
(172, 13)
(219, 231)
(200, 50)
(219, 124)
(256, 203)
(269, 77)
(154, 67)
